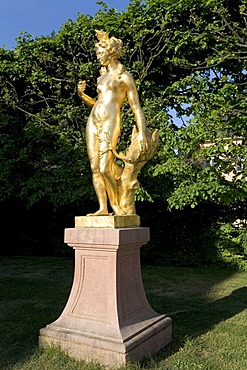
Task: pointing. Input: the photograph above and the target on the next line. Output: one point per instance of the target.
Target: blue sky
(41, 17)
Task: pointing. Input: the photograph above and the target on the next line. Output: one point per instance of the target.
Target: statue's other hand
(143, 142)
(81, 87)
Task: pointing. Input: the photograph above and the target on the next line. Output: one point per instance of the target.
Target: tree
(203, 46)
(188, 56)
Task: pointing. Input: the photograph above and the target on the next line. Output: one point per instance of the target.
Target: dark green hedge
(203, 236)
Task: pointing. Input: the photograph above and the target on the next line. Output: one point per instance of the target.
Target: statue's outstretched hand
(81, 87)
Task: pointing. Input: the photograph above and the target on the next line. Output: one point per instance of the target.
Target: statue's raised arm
(81, 88)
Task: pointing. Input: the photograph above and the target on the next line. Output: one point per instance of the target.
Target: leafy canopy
(189, 60)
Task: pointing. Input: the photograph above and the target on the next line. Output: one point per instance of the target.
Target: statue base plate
(110, 222)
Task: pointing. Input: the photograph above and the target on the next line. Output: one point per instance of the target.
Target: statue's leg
(106, 162)
(98, 180)
(111, 184)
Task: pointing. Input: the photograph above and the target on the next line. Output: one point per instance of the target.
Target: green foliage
(204, 235)
(186, 56)
(232, 244)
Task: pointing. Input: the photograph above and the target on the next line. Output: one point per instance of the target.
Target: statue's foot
(100, 212)
(118, 211)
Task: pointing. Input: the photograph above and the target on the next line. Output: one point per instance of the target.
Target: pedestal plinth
(107, 317)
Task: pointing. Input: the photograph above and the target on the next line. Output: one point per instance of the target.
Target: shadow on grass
(34, 291)
(195, 312)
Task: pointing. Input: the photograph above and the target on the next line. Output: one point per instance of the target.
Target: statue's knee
(105, 170)
(95, 169)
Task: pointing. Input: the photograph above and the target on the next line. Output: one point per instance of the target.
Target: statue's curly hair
(111, 44)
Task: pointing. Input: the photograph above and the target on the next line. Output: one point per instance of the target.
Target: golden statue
(103, 130)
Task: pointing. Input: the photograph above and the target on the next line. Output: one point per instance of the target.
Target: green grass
(208, 308)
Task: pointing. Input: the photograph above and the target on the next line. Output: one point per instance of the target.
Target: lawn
(207, 306)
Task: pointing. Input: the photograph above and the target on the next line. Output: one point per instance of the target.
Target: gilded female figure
(103, 127)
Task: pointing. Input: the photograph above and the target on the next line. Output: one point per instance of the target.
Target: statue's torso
(111, 94)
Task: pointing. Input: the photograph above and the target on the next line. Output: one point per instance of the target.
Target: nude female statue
(103, 127)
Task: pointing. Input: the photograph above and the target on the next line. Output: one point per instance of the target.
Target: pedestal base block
(107, 317)
(154, 334)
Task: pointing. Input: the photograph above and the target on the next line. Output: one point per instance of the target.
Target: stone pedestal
(107, 317)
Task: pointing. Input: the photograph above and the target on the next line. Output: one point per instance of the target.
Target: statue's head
(110, 45)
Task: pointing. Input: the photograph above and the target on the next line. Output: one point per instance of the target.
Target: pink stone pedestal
(107, 317)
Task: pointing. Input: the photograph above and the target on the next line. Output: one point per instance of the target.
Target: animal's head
(134, 154)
